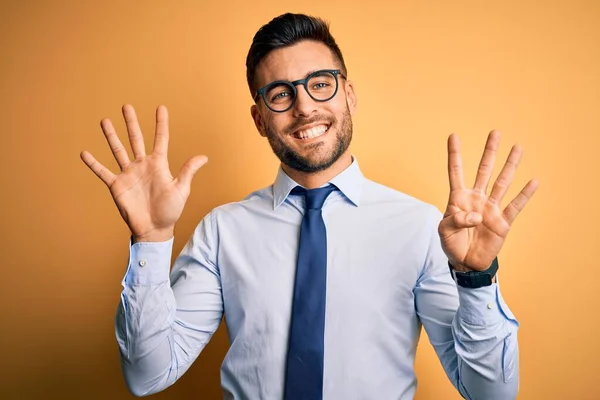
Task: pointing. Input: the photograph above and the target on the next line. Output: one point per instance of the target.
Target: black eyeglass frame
(303, 82)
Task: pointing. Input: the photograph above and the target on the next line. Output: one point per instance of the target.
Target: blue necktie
(304, 372)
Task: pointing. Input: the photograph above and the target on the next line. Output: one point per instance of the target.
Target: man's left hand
(474, 227)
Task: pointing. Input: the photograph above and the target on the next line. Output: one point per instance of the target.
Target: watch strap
(475, 279)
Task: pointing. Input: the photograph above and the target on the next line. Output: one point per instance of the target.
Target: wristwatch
(475, 279)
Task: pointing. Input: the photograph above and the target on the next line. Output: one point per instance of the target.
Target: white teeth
(312, 132)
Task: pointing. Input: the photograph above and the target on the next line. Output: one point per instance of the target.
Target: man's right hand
(149, 199)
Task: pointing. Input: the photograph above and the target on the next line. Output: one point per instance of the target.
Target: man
(325, 276)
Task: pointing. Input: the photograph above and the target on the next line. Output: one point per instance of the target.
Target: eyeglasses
(320, 85)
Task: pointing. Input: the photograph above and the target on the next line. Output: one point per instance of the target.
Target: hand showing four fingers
(474, 226)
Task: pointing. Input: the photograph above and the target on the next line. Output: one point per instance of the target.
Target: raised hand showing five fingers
(474, 227)
(149, 199)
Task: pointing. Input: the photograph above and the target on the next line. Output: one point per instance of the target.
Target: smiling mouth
(311, 133)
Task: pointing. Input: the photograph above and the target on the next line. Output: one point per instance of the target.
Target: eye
(279, 93)
(321, 85)
(280, 96)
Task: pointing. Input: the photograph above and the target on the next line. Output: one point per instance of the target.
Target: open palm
(148, 197)
(474, 226)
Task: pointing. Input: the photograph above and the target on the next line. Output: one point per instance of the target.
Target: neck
(313, 180)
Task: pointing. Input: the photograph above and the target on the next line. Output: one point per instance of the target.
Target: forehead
(294, 62)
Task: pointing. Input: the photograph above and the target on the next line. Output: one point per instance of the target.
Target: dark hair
(286, 30)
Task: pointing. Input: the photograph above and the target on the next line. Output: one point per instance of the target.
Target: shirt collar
(349, 182)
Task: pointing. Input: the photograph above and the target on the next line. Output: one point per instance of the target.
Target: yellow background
(422, 70)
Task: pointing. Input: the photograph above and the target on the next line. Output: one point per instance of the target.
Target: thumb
(189, 169)
(460, 220)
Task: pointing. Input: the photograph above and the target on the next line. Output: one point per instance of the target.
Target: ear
(258, 120)
(350, 97)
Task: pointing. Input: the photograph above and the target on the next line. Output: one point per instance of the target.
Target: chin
(316, 163)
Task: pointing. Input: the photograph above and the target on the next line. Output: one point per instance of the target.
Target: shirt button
(142, 263)
(489, 306)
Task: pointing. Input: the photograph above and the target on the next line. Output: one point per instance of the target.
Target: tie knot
(315, 198)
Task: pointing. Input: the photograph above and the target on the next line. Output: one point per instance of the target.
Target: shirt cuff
(149, 263)
(483, 306)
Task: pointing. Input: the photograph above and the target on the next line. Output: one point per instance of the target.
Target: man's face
(312, 135)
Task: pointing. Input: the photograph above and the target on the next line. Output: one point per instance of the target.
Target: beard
(291, 158)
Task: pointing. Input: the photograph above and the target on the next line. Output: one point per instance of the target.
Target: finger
(455, 170)
(514, 207)
(188, 170)
(115, 144)
(161, 135)
(104, 174)
(458, 221)
(486, 165)
(506, 175)
(135, 133)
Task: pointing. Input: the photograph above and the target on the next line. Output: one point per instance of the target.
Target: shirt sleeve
(473, 331)
(164, 320)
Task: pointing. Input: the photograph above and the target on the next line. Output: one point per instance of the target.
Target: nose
(304, 105)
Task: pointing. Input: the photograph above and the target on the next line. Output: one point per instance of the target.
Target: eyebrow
(312, 71)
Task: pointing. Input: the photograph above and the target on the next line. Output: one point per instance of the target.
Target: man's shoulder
(376, 193)
(260, 198)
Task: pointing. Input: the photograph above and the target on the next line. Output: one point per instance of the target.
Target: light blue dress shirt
(386, 276)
